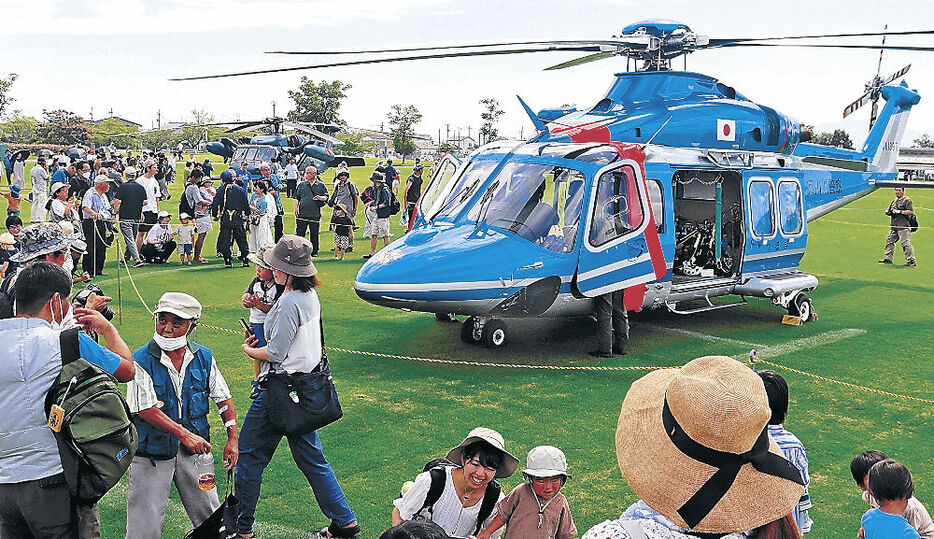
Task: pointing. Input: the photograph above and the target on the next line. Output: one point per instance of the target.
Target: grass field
(875, 329)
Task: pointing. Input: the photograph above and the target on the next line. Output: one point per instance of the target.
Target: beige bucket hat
(693, 443)
(490, 436)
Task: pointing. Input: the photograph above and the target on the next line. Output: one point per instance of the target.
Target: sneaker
(619, 351)
(228, 265)
(139, 264)
(911, 264)
(885, 261)
(367, 256)
(189, 262)
(246, 264)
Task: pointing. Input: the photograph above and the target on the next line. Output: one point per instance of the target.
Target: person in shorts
(185, 232)
(380, 206)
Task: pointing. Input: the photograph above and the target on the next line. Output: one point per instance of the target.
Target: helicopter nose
(456, 269)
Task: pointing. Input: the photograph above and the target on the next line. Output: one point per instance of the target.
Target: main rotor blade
(608, 42)
(851, 108)
(244, 126)
(721, 42)
(897, 74)
(582, 60)
(396, 59)
(312, 131)
(827, 46)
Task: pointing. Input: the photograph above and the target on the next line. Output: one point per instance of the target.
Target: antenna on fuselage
(656, 133)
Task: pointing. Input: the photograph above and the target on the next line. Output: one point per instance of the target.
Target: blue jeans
(258, 441)
(259, 334)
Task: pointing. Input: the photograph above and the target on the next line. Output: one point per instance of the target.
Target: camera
(81, 298)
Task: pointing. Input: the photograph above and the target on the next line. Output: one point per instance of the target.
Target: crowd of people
(704, 446)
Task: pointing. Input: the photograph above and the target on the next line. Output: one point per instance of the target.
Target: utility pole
(92, 114)
(522, 133)
(159, 118)
(447, 132)
(111, 111)
(273, 109)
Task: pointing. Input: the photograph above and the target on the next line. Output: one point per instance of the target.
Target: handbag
(913, 222)
(222, 524)
(302, 402)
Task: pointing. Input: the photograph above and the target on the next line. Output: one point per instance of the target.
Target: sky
(119, 54)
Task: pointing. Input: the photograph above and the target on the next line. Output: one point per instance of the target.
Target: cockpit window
(617, 208)
(541, 203)
(474, 174)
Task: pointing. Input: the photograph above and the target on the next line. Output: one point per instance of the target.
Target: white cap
(546, 461)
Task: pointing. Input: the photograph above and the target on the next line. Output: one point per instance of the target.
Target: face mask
(86, 175)
(69, 264)
(67, 318)
(170, 343)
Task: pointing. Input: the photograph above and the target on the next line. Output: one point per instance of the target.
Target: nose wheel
(490, 333)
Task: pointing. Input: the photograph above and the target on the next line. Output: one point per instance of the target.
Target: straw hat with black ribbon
(693, 443)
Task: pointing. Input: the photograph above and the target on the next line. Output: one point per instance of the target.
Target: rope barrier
(755, 360)
(835, 221)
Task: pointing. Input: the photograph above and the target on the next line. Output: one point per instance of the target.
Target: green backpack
(96, 438)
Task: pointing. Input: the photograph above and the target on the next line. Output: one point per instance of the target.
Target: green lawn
(399, 414)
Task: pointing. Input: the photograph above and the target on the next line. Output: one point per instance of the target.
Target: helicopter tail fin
(881, 146)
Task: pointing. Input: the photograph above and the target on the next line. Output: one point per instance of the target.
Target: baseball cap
(179, 304)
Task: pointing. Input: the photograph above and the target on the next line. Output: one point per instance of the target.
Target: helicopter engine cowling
(318, 152)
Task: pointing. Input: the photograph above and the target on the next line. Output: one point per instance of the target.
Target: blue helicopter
(315, 149)
(673, 187)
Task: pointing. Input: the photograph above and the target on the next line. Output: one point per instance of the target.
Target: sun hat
(163, 214)
(101, 178)
(292, 255)
(495, 439)
(257, 257)
(376, 177)
(56, 187)
(183, 216)
(179, 304)
(15, 189)
(546, 461)
(79, 246)
(693, 444)
(40, 239)
(7, 239)
(343, 172)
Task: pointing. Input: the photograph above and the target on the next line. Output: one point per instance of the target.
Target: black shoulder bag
(301, 402)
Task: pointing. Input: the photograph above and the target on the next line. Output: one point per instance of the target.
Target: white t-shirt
(159, 233)
(151, 204)
(457, 520)
(291, 172)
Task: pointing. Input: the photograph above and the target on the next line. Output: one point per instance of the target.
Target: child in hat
(259, 297)
(891, 486)
(342, 226)
(185, 233)
(537, 508)
(13, 200)
(7, 249)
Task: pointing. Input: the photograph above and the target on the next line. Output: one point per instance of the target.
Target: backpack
(184, 206)
(436, 469)
(913, 222)
(96, 438)
(394, 205)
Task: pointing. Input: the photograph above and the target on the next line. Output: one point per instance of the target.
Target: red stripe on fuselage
(584, 132)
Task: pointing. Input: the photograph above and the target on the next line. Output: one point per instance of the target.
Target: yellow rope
(865, 224)
(845, 384)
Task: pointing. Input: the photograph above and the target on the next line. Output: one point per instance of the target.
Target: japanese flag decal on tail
(726, 129)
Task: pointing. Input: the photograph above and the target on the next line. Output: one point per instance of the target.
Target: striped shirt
(793, 450)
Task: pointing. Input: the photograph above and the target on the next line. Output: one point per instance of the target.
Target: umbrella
(21, 154)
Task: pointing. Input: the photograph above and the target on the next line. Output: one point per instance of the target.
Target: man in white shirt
(151, 204)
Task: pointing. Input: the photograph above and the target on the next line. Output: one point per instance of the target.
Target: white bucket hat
(546, 461)
(495, 439)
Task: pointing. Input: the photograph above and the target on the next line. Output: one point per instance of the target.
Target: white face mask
(86, 175)
(67, 317)
(170, 343)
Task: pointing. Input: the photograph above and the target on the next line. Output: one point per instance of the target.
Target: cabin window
(761, 204)
(790, 211)
(617, 208)
(443, 174)
(250, 154)
(465, 186)
(538, 202)
(658, 208)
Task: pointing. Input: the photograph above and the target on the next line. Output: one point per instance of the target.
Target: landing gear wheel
(444, 317)
(494, 334)
(802, 307)
(467, 331)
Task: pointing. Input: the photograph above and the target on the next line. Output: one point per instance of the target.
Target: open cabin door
(620, 247)
(437, 185)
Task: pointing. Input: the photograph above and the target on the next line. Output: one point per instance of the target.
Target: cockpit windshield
(464, 187)
(539, 202)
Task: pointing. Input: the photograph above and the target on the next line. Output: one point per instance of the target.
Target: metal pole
(119, 290)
